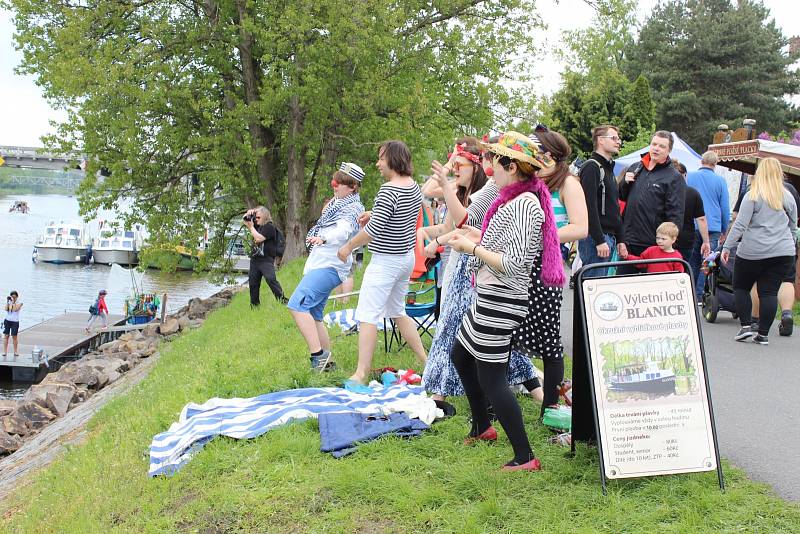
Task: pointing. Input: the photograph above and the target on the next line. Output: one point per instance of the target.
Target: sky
(25, 116)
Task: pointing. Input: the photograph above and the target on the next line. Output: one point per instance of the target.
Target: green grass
(280, 482)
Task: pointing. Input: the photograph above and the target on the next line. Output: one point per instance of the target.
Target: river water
(47, 290)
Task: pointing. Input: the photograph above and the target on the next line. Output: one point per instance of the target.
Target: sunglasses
(457, 165)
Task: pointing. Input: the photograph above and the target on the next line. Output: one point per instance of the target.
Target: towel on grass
(251, 417)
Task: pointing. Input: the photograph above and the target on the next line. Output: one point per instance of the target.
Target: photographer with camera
(11, 323)
(262, 256)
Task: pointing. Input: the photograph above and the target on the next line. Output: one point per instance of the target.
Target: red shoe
(490, 434)
(533, 465)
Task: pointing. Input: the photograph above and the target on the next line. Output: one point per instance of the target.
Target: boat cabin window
(127, 244)
(75, 232)
(129, 234)
(50, 230)
(104, 243)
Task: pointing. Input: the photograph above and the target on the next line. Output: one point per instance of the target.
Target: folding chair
(423, 314)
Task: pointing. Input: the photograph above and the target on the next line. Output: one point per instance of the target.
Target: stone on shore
(14, 424)
(60, 391)
(9, 443)
(170, 326)
(7, 406)
(58, 404)
(36, 416)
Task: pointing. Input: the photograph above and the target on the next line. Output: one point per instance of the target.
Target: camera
(249, 217)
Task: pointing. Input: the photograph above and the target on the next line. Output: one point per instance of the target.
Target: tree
(712, 61)
(594, 89)
(199, 108)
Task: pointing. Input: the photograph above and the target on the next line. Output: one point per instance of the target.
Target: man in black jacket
(654, 193)
(602, 199)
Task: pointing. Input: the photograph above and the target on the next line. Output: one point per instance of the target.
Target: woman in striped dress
(517, 229)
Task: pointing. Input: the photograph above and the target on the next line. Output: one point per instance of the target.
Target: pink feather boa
(552, 269)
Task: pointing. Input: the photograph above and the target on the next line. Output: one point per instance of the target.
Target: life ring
(58, 239)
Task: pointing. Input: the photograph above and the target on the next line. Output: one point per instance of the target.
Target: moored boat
(117, 245)
(63, 243)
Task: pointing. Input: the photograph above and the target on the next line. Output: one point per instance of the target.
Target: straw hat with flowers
(520, 148)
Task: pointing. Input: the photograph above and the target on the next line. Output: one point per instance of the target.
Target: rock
(36, 416)
(14, 424)
(78, 375)
(184, 323)
(9, 444)
(149, 351)
(38, 393)
(58, 404)
(196, 308)
(7, 406)
(110, 346)
(151, 330)
(169, 327)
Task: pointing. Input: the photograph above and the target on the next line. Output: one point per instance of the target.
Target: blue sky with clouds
(25, 116)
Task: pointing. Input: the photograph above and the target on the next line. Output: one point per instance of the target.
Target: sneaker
(283, 300)
(745, 333)
(761, 340)
(787, 325)
(323, 363)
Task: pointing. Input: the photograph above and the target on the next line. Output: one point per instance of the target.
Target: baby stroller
(718, 289)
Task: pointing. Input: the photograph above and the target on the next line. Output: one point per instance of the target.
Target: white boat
(236, 256)
(63, 243)
(117, 245)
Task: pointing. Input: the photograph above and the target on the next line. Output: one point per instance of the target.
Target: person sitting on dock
(11, 323)
(98, 309)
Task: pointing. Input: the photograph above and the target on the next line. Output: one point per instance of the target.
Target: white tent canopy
(680, 151)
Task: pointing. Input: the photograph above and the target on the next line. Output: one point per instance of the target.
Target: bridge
(39, 158)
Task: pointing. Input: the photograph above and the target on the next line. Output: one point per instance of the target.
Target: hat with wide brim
(520, 147)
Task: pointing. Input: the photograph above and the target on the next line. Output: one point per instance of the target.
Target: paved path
(755, 391)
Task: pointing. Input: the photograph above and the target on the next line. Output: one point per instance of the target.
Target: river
(47, 290)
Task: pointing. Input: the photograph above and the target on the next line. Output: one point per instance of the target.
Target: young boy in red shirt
(666, 234)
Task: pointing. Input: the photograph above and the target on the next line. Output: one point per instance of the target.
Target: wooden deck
(63, 334)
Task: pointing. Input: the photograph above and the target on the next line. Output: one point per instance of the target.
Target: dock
(59, 337)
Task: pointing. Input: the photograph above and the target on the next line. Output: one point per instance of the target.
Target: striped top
(393, 224)
(480, 201)
(559, 210)
(515, 231)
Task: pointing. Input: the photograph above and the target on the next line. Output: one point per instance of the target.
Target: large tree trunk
(295, 228)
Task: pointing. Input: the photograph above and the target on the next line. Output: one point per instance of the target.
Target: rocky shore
(77, 381)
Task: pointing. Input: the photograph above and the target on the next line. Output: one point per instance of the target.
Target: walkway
(754, 390)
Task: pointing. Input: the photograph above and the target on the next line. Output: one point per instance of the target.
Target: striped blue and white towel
(248, 418)
(344, 319)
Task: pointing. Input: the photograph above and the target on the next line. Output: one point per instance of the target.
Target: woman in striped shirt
(517, 229)
(391, 233)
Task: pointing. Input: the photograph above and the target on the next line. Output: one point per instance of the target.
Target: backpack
(580, 167)
(280, 243)
(94, 309)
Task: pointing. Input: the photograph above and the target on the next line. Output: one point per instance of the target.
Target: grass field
(280, 482)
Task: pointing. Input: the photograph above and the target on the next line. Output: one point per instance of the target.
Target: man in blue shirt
(714, 192)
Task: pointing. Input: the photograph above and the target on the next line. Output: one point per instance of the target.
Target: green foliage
(712, 61)
(199, 109)
(280, 482)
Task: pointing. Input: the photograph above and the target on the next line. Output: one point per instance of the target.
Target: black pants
(263, 267)
(769, 273)
(485, 383)
(631, 269)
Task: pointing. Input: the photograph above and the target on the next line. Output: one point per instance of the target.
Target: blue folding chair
(423, 314)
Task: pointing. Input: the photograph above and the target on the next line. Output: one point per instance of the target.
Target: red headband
(461, 150)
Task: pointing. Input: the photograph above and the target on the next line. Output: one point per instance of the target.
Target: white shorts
(384, 288)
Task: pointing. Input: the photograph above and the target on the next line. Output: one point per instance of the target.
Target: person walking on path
(262, 258)
(11, 323)
(390, 230)
(766, 226)
(98, 310)
(602, 199)
(519, 226)
(716, 205)
(654, 192)
(323, 271)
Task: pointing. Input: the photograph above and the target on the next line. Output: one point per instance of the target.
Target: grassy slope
(280, 482)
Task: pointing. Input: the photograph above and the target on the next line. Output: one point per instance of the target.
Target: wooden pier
(62, 336)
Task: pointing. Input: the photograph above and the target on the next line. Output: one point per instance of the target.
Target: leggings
(484, 383)
(769, 273)
(553, 376)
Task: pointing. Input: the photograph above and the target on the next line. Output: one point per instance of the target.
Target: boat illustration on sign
(647, 378)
